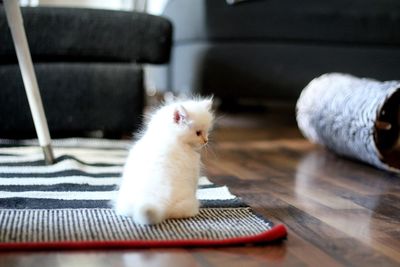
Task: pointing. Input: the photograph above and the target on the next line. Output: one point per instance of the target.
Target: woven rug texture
(68, 204)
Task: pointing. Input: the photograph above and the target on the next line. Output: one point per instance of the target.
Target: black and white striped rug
(66, 205)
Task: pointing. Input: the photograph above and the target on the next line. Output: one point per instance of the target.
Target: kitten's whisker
(209, 149)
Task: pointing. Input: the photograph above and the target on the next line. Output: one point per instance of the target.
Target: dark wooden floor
(338, 212)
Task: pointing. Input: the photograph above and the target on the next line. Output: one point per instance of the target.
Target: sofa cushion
(339, 21)
(75, 34)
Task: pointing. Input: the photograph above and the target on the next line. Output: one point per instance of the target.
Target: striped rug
(66, 205)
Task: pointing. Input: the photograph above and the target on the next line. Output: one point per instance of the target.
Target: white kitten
(161, 173)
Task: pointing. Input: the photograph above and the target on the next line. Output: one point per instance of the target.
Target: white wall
(109, 4)
(155, 7)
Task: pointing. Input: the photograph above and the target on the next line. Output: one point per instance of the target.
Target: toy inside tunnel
(354, 117)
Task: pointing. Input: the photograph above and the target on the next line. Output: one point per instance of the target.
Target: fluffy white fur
(162, 170)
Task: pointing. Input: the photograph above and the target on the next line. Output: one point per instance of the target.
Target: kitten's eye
(198, 133)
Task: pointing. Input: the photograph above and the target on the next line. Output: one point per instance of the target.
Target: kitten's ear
(180, 115)
(208, 103)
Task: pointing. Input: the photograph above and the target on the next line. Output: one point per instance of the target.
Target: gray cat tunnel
(354, 117)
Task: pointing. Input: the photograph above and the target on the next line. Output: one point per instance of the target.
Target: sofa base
(271, 70)
(78, 98)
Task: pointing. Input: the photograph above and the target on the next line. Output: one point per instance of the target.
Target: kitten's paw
(148, 214)
(123, 209)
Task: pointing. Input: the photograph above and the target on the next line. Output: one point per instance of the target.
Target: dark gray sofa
(88, 65)
(270, 49)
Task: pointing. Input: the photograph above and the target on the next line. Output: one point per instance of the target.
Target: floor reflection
(346, 195)
(273, 254)
(159, 258)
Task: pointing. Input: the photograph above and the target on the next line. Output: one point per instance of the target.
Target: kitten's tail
(149, 214)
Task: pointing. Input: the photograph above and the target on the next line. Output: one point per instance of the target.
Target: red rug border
(277, 232)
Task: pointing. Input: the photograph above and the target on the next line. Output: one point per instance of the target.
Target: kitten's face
(195, 121)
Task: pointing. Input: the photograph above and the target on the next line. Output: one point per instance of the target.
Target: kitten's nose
(205, 140)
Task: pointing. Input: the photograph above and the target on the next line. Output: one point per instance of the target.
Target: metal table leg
(14, 18)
